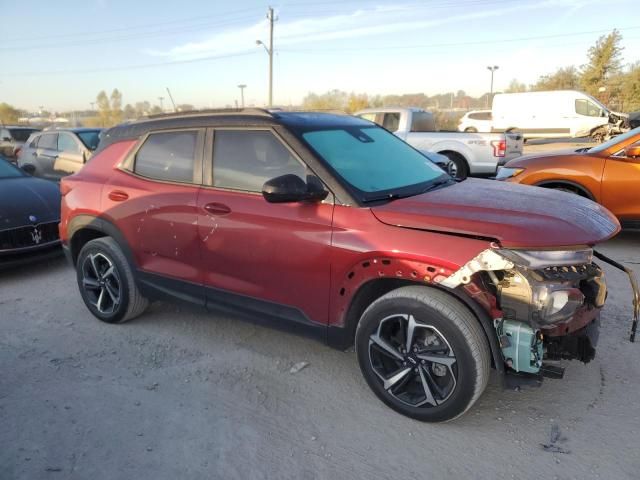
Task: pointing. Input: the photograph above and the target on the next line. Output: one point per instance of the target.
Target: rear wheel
(423, 353)
(457, 166)
(471, 130)
(106, 282)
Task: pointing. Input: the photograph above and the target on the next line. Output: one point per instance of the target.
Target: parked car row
(12, 138)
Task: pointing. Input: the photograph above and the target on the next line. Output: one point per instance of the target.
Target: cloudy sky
(59, 55)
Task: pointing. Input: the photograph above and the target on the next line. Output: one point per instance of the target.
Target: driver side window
(246, 159)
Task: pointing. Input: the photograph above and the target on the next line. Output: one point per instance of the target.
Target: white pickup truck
(477, 154)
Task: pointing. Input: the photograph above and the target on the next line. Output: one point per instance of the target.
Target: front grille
(28, 236)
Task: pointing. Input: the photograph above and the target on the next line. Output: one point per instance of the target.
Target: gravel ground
(180, 393)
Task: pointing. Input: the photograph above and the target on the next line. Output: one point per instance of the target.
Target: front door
(621, 186)
(45, 154)
(269, 259)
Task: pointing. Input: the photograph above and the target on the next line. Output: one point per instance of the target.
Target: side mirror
(28, 168)
(291, 188)
(632, 151)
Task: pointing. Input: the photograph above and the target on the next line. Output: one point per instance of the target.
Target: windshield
(615, 140)
(373, 160)
(7, 170)
(91, 138)
(22, 134)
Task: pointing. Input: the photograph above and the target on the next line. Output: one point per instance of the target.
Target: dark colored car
(29, 216)
(330, 225)
(12, 139)
(53, 154)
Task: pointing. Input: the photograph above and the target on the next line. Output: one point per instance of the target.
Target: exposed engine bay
(547, 304)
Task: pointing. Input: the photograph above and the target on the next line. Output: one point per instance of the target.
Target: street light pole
(161, 107)
(269, 51)
(242, 87)
(492, 70)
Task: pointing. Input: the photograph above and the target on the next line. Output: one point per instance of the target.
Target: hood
(24, 197)
(515, 215)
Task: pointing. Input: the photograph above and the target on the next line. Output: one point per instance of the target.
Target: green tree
(357, 102)
(104, 108)
(605, 61)
(8, 114)
(566, 78)
(116, 107)
(331, 100)
(630, 89)
(516, 87)
(129, 112)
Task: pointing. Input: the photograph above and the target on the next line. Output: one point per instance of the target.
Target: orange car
(608, 174)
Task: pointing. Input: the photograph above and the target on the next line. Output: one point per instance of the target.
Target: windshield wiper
(381, 198)
(439, 183)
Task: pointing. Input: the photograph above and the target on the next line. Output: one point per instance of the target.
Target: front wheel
(423, 353)
(456, 166)
(106, 282)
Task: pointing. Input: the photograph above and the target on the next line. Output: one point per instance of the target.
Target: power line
(128, 67)
(455, 44)
(130, 27)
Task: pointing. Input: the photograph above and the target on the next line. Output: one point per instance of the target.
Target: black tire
(106, 282)
(458, 167)
(442, 323)
(471, 130)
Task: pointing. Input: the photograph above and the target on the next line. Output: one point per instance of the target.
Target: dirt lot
(180, 393)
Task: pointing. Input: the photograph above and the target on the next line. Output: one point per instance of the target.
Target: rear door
(154, 204)
(621, 186)
(70, 157)
(45, 155)
(268, 258)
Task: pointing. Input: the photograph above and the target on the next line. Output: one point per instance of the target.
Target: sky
(59, 55)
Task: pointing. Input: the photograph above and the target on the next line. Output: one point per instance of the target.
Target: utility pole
(242, 86)
(171, 98)
(271, 20)
(492, 70)
(161, 99)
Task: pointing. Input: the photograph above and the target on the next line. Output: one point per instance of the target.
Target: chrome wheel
(101, 283)
(414, 360)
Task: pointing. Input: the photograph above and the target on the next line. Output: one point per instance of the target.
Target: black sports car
(29, 216)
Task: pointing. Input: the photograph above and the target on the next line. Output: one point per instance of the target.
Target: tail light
(499, 147)
(17, 151)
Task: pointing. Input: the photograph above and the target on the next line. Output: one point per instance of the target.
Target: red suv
(330, 225)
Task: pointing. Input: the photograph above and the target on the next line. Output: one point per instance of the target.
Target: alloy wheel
(101, 283)
(414, 360)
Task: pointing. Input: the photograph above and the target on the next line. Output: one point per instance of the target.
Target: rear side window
(391, 121)
(245, 159)
(168, 156)
(48, 141)
(423, 122)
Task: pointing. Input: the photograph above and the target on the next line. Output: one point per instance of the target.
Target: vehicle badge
(36, 235)
(33, 218)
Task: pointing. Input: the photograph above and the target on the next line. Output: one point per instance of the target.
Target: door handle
(118, 195)
(217, 209)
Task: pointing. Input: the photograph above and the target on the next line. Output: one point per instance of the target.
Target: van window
(168, 156)
(587, 108)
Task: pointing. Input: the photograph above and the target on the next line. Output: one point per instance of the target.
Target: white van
(553, 114)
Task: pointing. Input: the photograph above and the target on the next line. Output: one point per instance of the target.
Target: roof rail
(242, 111)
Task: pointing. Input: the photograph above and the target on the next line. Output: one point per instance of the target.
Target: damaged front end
(547, 304)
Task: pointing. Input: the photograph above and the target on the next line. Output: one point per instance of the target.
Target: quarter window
(245, 159)
(168, 156)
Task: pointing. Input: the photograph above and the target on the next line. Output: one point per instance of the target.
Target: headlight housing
(507, 172)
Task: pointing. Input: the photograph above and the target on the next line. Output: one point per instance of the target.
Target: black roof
(228, 117)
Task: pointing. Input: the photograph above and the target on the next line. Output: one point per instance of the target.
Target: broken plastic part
(487, 260)
(634, 288)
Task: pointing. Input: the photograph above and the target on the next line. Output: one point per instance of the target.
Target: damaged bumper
(547, 303)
